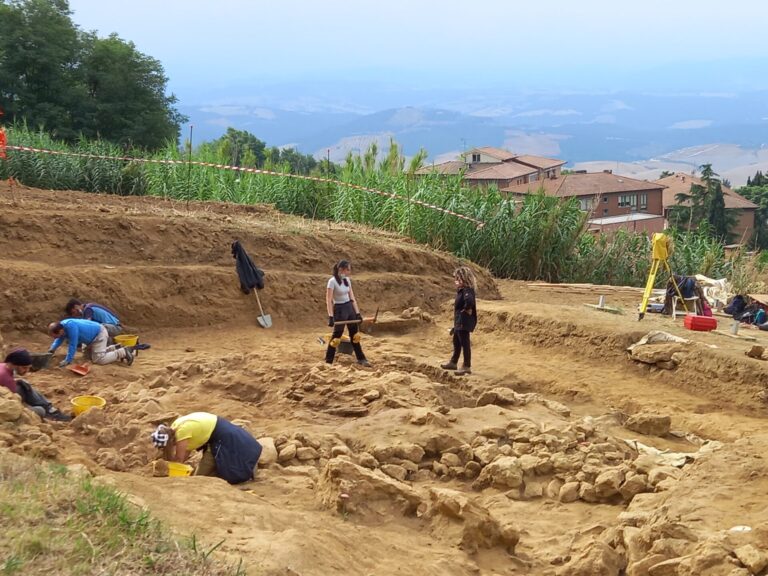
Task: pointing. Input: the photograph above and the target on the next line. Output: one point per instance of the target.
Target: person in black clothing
(342, 307)
(464, 320)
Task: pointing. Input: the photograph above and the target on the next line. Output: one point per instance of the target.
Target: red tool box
(700, 323)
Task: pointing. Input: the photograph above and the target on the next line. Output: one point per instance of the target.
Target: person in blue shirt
(93, 335)
(96, 312)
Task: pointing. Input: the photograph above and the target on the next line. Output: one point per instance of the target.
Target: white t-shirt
(340, 292)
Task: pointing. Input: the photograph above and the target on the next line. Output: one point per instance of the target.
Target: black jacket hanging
(251, 276)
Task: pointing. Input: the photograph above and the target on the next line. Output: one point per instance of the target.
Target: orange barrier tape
(478, 223)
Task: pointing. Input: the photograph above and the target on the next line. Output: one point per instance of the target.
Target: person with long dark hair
(464, 320)
(342, 307)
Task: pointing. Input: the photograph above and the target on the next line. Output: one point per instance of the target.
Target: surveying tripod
(662, 250)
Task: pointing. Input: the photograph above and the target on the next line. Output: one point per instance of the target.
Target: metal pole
(189, 166)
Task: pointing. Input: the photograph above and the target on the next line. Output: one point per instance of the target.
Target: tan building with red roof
(488, 165)
(743, 210)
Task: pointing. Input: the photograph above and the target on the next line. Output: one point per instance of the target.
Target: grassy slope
(56, 523)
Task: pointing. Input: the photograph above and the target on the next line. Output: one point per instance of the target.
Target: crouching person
(93, 335)
(19, 362)
(229, 452)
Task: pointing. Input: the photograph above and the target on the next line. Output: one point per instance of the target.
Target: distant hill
(641, 129)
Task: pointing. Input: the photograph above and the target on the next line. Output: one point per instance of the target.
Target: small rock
(450, 460)
(607, 483)
(661, 473)
(340, 450)
(268, 451)
(395, 471)
(288, 452)
(366, 460)
(569, 492)
(306, 453)
(649, 424)
(472, 469)
(754, 559)
(371, 395)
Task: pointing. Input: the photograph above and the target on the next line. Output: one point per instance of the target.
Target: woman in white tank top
(342, 307)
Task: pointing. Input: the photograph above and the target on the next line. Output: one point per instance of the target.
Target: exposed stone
(371, 395)
(306, 453)
(395, 471)
(439, 469)
(665, 568)
(557, 407)
(423, 476)
(412, 452)
(367, 460)
(598, 558)
(633, 486)
(486, 453)
(268, 451)
(504, 472)
(588, 493)
(348, 411)
(569, 492)
(340, 450)
(649, 424)
(661, 473)
(754, 559)
(368, 490)
(110, 459)
(607, 483)
(494, 432)
(499, 396)
(467, 524)
(10, 405)
(288, 452)
(553, 488)
(450, 460)
(472, 469)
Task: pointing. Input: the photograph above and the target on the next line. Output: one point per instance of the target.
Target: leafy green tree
(126, 101)
(39, 57)
(242, 147)
(703, 203)
(758, 193)
(71, 83)
(666, 173)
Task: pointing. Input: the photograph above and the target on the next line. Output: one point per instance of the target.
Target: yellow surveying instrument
(662, 250)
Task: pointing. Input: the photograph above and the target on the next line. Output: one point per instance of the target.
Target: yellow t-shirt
(196, 428)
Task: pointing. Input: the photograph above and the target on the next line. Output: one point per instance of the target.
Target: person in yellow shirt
(229, 452)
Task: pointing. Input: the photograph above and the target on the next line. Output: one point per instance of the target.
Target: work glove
(358, 317)
(330, 321)
(63, 363)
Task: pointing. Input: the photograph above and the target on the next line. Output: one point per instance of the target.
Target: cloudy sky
(431, 41)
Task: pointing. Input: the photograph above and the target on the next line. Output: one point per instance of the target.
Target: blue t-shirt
(100, 314)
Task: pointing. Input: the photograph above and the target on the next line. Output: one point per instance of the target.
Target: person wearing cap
(229, 452)
(18, 362)
(96, 312)
(77, 332)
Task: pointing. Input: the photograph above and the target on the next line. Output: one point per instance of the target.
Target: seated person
(19, 361)
(97, 313)
(229, 452)
(93, 335)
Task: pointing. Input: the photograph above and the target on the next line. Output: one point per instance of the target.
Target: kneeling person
(93, 335)
(230, 452)
(19, 361)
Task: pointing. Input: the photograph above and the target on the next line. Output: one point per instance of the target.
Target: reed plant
(537, 237)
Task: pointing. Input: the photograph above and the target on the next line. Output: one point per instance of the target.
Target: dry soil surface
(560, 454)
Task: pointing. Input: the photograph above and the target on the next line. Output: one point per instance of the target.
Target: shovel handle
(345, 322)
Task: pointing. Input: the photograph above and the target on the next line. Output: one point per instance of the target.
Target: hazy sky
(434, 41)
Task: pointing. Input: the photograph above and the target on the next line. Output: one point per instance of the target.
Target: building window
(628, 200)
(605, 199)
(586, 204)
(533, 178)
(605, 211)
(643, 201)
(475, 157)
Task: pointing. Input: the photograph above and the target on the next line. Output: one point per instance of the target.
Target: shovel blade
(265, 321)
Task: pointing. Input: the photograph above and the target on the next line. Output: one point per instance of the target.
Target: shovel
(265, 320)
(80, 369)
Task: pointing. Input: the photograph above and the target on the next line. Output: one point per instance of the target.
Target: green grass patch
(54, 523)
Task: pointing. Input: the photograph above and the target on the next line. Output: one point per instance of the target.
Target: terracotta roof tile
(681, 183)
(585, 185)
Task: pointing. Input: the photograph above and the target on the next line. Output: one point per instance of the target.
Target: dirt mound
(165, 264)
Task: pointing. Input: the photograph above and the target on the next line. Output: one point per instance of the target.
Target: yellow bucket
(127, 340)
(82, 403)
(179, 469)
